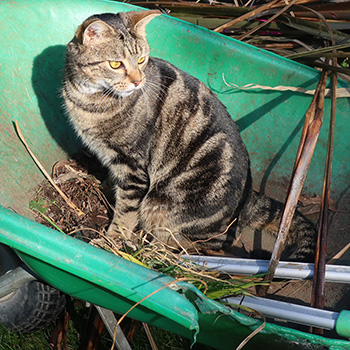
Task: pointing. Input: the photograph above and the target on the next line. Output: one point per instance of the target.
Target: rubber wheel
(31, 307)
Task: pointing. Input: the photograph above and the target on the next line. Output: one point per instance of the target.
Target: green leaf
(38, 205)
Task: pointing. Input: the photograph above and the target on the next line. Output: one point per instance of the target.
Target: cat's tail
(264, 213)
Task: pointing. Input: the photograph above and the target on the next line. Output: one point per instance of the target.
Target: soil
(84, 190)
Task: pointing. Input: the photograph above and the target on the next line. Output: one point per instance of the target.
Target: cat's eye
(115, 64)
(141, 60)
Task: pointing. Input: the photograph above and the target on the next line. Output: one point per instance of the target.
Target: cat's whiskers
(87, 86)
(111, 94)
(157, 83)
(158, 86)
(156, 90)
(105, 95)
(152, 93)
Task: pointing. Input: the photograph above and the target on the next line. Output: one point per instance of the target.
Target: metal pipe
(285, 270)
(289, 312)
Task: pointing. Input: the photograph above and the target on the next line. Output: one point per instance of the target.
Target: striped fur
(180, 166)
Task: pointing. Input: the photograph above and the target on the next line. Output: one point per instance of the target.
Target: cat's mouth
(130, 89)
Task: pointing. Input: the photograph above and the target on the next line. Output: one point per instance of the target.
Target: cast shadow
(249, 119)
(47, 75)
(245, 121)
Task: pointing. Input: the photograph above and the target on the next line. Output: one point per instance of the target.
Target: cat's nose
(137, 82)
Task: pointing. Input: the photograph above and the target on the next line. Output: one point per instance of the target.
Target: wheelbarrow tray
(32, 46)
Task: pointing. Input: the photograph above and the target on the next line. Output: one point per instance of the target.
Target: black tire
(31, 307)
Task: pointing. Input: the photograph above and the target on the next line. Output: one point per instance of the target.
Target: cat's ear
(140, 19)
(94, 32)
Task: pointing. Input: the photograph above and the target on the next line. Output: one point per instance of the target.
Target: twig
(47, 219)
(310, 115)
(332, 68)
(149, 336)
(318, 52)
(251, 335)
(246, 15)
(215, 236)
(339, 254)
(256, 331)
(146, 297)
(247, 3)
(284, 9)
(291, 12)
(311, 28)
(318, 287)
(46, 174)
(312, 126)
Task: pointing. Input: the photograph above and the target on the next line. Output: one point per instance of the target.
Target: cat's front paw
(123, 237)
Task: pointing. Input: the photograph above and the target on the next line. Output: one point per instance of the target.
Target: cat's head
(110, 51)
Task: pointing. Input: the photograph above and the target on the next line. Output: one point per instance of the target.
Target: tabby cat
(180, 167)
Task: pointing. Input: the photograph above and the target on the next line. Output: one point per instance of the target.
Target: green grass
(40, 340)
(35, 341)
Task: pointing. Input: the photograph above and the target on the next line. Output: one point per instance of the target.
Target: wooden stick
(312, 126)
(332, 68)
(318, 52)
(149, 336)
(337, 256)
(58, 337)
(284, 9)
(311, 28)
(309, 116)
(318, 287)
(46, 174)
(245, 16)
(146, 297)
(93, 331)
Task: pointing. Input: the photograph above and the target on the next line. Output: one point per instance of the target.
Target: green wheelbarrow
(32, 46)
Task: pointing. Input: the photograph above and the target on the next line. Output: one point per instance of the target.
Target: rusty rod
(318, 287)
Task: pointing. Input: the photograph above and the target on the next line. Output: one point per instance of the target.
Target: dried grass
(144, 248)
